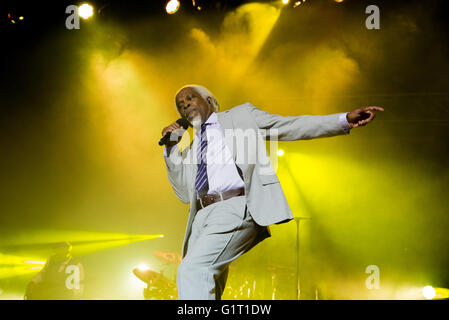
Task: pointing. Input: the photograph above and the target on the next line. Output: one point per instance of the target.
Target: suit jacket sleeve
(176, 172)
(297, 128)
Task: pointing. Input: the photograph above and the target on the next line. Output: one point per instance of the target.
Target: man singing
(233, 191)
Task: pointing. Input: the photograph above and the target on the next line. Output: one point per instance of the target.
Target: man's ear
(209, 100)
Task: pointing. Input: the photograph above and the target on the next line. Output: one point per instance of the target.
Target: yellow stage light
(34, 262)
(85, 11)
(21, 18)
(13, 266)
(172, 6)
(338, 1)
(36, 268)
(428, 292)
(285, 1)
(297, 3)
(441, 293)
(280, 152)
(143, 267)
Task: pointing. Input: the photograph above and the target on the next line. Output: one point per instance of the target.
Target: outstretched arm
(311, 126)
(299, 127)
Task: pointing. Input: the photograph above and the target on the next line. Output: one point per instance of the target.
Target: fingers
(371, 111)
(367, 120)
(176, 131)
(174, 126)
(373, 108)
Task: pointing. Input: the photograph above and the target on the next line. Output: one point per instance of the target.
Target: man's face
(192, 106)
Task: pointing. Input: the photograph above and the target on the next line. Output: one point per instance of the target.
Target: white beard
(196, 122)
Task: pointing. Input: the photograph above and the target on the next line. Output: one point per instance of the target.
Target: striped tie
(201, 183)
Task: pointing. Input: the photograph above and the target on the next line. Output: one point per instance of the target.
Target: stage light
(285, 1)
(297, 3)
(13, 266)
(85, 11)
(36, 268)
(441, 293)
(428, 292)
(143, 267)
(21, 18)
(280, 152)
(172, 6)
(34, 262)
(338, 1)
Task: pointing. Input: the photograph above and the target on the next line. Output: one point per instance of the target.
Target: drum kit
(160, 287)
(270, 282)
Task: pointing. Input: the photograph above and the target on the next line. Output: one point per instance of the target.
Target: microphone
(182, 122)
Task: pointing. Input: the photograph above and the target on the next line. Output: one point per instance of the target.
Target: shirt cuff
(344, 122)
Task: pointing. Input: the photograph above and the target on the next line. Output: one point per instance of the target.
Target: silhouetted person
(60, 279)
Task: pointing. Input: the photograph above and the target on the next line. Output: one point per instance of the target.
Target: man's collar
(212, 118)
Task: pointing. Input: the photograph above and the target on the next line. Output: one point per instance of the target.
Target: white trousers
(221, 232)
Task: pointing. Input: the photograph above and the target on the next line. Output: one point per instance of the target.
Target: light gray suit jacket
(266, 201)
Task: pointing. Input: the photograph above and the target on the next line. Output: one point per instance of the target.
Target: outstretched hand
(361, 116)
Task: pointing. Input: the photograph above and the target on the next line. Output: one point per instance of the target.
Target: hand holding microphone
(172, 134)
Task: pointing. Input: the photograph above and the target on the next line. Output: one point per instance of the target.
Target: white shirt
(222, 174)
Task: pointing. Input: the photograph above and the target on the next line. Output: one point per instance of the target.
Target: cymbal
(170, 257)
(151, 277)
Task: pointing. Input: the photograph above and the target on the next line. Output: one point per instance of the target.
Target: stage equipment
(158, 286)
